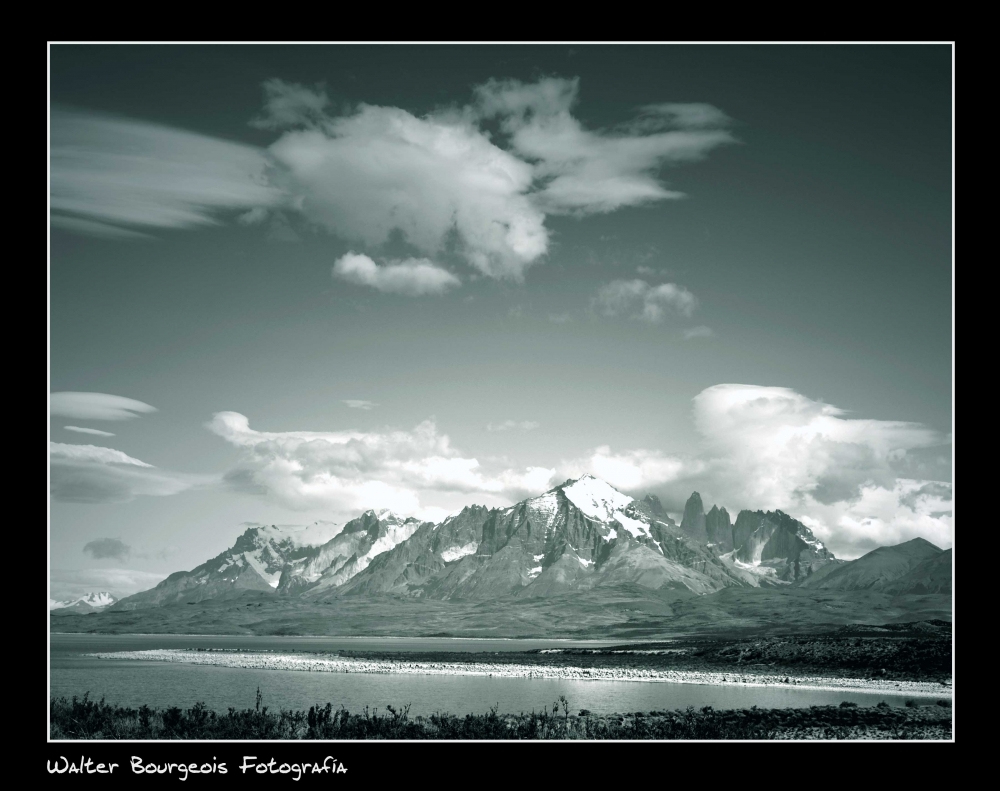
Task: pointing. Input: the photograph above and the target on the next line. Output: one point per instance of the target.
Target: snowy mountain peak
(99, 599)
(596, 498)
(600, 500)
(310, 535)
(91, 601)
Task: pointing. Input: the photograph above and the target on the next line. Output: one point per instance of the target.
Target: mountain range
(91, 602)
(581, 536)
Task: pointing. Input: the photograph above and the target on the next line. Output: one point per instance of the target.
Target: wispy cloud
(94, 474)
(413, 277)
(119, 177)
(96, 406)
(513, 425)
(644, 301)
(356, 403)
(594, 171)
(82, 430)
(700, 331)
(560, 318)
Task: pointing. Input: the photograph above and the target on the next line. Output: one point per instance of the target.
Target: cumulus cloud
(413, 277)
(356, 403)
(116, 177)
(94, 474)
(643, 301)
(771, 447)
(443, 177)
(66, 585)
(700, 331)
(513, 425)
(349, 471)
(82, 430)
(378, 170)
(95, 406)
(101, 548)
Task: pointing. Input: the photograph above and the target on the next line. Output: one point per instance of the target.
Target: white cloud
(412, 277)
(644, 301)
(91, 453)
(94, 474)
(367, 173)
(560, 318)
(583, 171)
(96, 406)
(511, 425)
(114, 177)
(773, 448)
(381, 169)
(82, 430)
(356, 403)
(349, 471)
(446, 181)
(700, 331)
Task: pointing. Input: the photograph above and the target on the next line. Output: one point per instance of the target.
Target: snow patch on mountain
(454, 553)
(634, 526)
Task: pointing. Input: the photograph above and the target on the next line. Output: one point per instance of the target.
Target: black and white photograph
(496, 392)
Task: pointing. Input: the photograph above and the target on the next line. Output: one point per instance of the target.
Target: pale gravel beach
(305, 662)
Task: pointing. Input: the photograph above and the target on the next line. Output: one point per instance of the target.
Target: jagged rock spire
(693, 522)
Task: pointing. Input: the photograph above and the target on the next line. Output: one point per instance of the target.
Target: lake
(159, 684)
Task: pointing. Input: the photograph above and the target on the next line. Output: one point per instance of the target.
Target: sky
(291, 283)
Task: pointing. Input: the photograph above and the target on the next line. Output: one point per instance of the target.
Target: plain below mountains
(581, 546)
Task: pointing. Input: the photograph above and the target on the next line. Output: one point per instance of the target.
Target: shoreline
(307, 663)
(608, 641)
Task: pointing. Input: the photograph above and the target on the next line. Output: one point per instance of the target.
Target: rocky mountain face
(769, 545)
(580, 536)
(407, 567)
(347, 554)
(719, 529)
(92, 602)
(254, 562)
(916, 566)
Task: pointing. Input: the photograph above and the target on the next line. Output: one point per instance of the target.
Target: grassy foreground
(87, 719)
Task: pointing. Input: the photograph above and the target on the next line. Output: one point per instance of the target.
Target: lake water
(158, 684)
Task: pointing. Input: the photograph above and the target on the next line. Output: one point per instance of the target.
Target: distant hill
(888, 569)
(930, 576)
